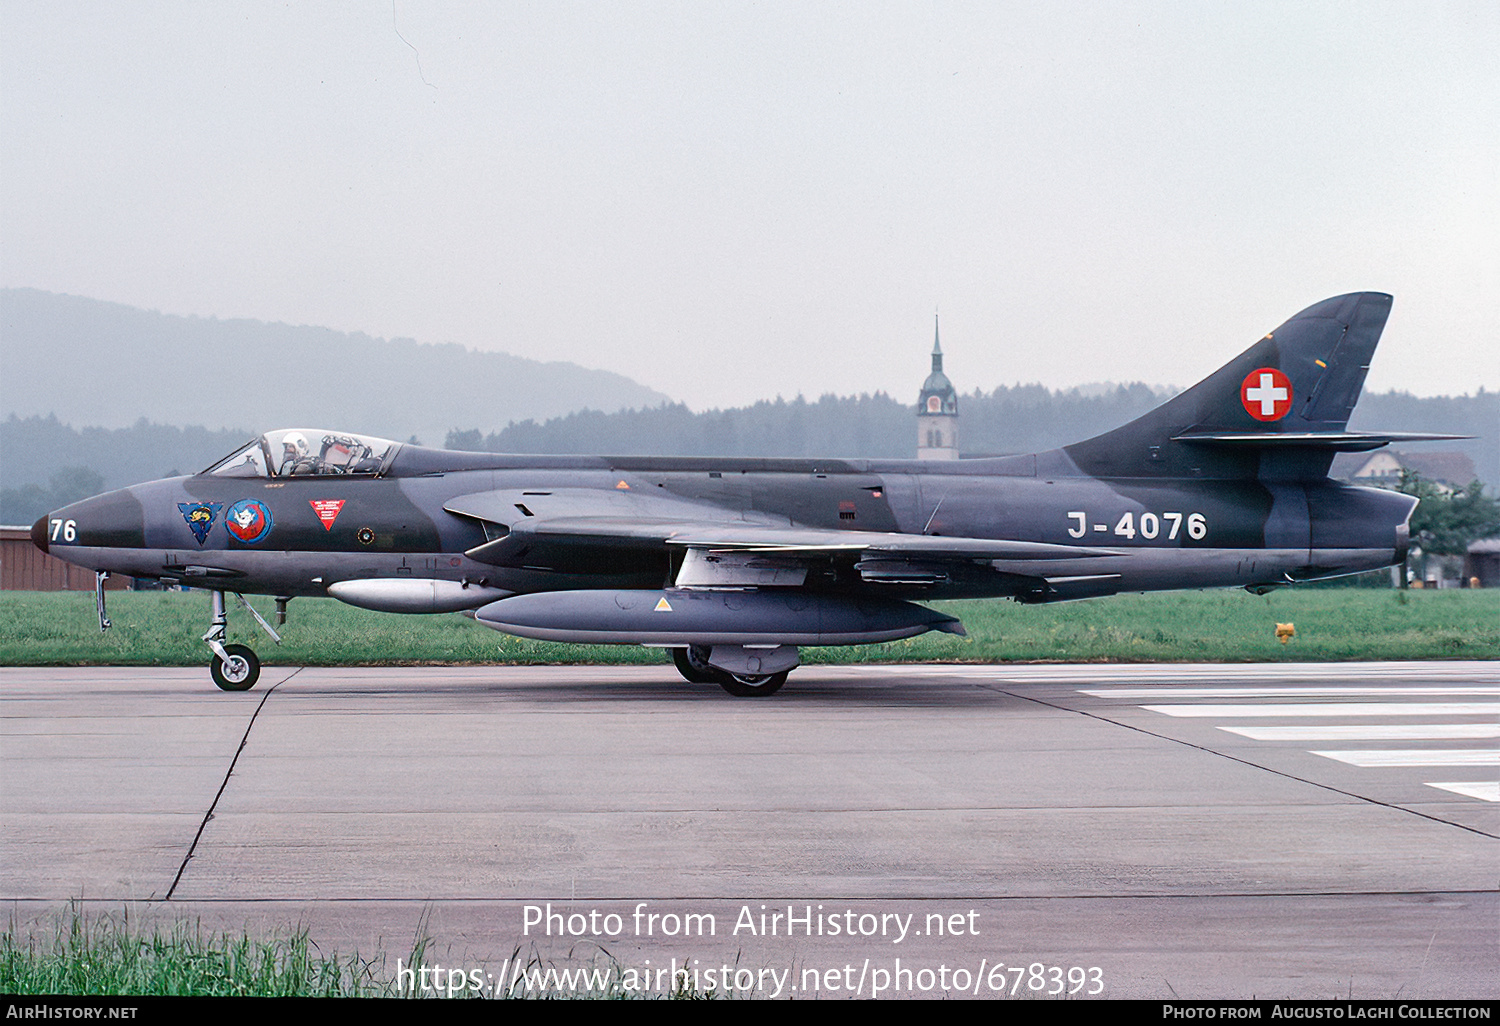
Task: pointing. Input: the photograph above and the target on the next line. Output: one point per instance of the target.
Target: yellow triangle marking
(663, 605)
(622, 485)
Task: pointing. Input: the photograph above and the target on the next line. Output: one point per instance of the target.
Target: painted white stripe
(1369, 732)
(1096, 674)
(1374, 757)
(1295, 711)
(1442, 670)
(1167, 691)
(1484, 790)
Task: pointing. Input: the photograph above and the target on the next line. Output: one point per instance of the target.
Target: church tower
(937, 410)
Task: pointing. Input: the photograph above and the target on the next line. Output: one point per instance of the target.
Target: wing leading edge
(584, 519)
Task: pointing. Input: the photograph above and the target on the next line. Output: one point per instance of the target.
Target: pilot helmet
(294, 446)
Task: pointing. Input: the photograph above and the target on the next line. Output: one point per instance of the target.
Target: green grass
(108, 955)
(1211, 626)
(104, 955)
(163, 628)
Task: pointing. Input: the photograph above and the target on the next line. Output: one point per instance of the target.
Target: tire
(241, 672)
(693, 665)
(747, 686)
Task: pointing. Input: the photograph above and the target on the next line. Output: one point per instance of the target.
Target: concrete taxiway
(1309, 831)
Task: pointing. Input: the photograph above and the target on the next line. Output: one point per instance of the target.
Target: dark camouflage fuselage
(1226, 484)
(1164, 532)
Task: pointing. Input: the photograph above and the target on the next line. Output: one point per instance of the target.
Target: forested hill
(46, 462)
(98, 364)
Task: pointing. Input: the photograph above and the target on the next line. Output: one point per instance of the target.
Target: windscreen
(306, 452)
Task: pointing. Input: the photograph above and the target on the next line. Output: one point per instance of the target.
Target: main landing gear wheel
(692, 663)
(742, 685)
(239, 672)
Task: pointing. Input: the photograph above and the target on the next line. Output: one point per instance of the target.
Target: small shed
(1482, 561)
(24, 567)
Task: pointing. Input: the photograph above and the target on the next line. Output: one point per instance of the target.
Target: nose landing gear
(234, 667)
(236, 670)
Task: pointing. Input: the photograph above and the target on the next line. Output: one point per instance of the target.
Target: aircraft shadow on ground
(910, 693)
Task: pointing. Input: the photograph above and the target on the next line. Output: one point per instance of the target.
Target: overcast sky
(731, 201)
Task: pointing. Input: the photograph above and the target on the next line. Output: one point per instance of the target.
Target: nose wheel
(237, 670)
(234, 667)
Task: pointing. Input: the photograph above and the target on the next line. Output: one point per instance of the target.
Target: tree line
(45, 463)
(1009, 419)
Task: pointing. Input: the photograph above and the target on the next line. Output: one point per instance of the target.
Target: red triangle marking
(327, 510)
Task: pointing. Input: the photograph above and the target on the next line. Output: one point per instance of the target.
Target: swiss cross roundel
(1267, 394)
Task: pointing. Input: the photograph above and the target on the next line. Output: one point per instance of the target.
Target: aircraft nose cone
(39, 533)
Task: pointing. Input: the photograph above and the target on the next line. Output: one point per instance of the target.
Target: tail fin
(1279, 409)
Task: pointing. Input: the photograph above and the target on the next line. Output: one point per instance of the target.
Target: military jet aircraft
(734, 564)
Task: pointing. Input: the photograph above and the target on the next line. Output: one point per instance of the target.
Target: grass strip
(107, 955)
(163, 628)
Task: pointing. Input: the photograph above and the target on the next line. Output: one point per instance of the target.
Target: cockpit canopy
(307, 452)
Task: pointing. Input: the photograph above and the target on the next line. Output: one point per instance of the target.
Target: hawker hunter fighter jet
(734, 564)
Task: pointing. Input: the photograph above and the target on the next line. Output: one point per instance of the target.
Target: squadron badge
(248, 520)
(200, 517)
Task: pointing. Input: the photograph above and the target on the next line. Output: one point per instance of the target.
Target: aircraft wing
(816, 541)
(564, 528)
(512, 507)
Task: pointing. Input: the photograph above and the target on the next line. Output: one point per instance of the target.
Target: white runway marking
(1369, 732)
(1167, 691)
(1364, 758)
(1374, 757)
(1484, 790)
(1213, 674)
(1291, 711)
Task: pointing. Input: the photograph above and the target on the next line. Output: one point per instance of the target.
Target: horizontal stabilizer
(1335, 441)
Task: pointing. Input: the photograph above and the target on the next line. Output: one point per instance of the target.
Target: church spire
(937, 409)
